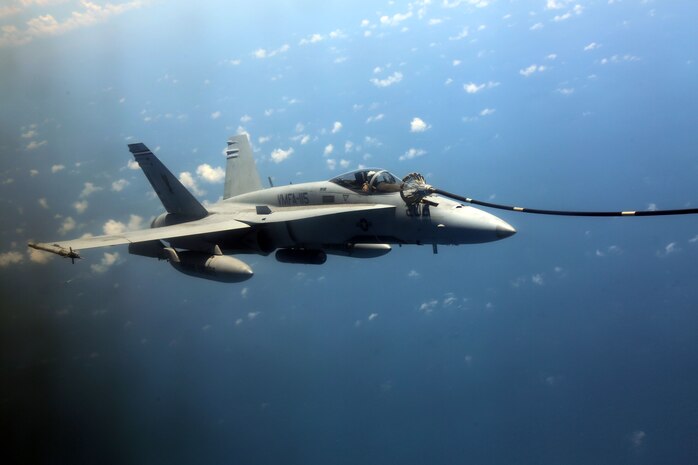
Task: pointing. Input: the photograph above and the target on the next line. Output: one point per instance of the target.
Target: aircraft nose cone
(504, 230)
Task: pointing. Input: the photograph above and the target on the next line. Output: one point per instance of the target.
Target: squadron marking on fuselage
(300, 198)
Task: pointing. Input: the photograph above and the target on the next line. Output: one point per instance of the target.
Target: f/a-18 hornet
(358, 214)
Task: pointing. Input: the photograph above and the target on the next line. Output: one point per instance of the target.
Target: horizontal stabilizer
(174, 196)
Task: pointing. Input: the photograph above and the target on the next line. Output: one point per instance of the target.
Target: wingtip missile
(56, 249)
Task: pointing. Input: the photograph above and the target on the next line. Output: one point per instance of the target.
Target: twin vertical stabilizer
(174, 196)
(241, 174)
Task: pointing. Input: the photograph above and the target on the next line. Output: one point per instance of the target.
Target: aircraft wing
(265, 215)
(210, 224)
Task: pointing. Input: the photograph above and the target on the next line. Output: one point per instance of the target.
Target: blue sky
(571, 342)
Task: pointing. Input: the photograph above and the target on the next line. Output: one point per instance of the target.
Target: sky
(573, 341)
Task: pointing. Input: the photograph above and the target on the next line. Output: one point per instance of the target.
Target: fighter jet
(359, 214)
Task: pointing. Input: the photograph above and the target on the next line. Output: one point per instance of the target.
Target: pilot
(366, 187)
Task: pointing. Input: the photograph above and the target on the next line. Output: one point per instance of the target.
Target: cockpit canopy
(369, 181)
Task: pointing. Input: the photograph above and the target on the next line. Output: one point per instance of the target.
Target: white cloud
(536, 27)
(526, 72)
(112, 227)
(216, 115)
(412, 153)
(566, 90)
(119, 185)
(389, 81)
(591, 46)
(133, 165)
(556, 4)
(10, 258)
(372, 141)
(189, 182)
(456, 62)
(33, 173)
(344, 163)
(670, 248)
(487, 112)
(457, 3)
(80, 206)
(245, 119)
(108, 260)
(57, 168)
(33, 145)
(461, 35)
(331, 163)
(46, 25)
(68, 225)
(575, 11)
(43, 202)
(610, 250)
(39, 256)
(210, 174)
(134, 222)
(473, 88)
(619, 59)
(9, 10)
(263, 53)
(413, 274)
(396, 19)
(429, 306)
(312, 39)
(337, 34)
(329, 148)
(418, 125)
(279, 155)
(336, 127)
(89, 189)
(372, 316)
(637, 438)
(375, 118)
(537, 279)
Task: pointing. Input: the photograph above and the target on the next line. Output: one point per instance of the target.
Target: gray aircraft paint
(307, 220)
